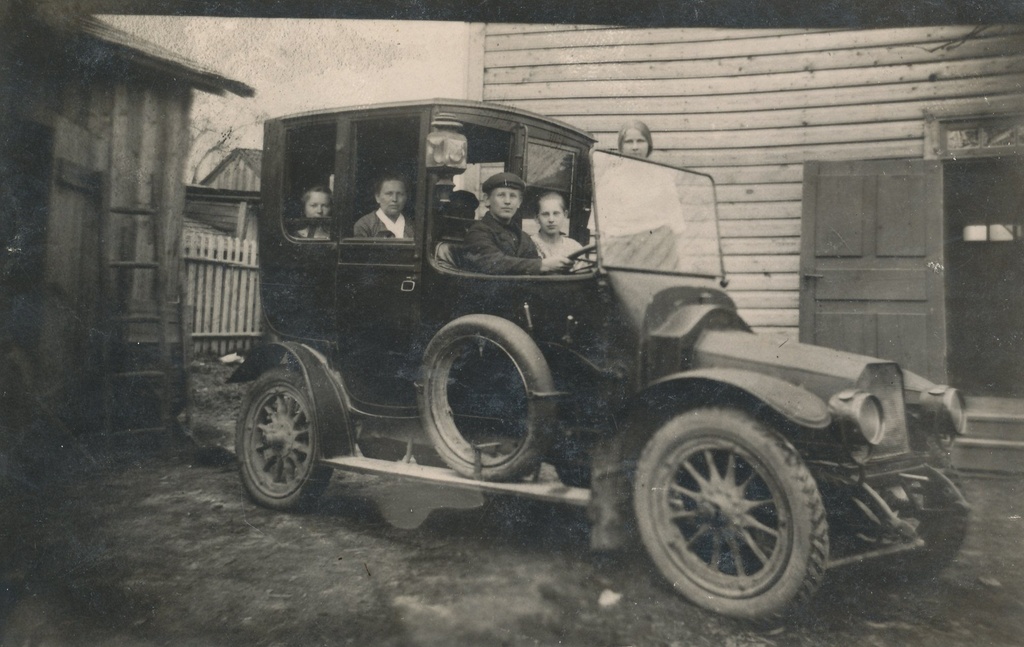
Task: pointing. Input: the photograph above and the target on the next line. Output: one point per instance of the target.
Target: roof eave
(154, 57)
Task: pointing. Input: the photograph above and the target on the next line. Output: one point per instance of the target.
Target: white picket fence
(222, 294)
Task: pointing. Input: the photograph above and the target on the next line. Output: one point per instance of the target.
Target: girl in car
(316, 205)
(551, 220)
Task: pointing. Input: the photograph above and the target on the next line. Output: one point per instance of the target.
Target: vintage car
(752, 466)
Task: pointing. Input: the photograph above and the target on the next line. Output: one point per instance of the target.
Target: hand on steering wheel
(585, 264)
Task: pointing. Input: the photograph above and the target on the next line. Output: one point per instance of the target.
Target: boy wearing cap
(497, 245)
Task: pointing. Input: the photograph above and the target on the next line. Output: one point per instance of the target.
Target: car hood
(820, 370)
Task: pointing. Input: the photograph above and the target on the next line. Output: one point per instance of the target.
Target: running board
(554, 491)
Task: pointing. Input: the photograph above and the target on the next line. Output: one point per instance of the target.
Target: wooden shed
(871, 182)
(227, 200)
(96, 135)
(239, 171)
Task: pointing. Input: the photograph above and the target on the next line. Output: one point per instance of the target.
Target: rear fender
(326, 389)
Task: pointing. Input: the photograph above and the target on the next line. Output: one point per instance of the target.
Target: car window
(490, 152)
(382, 147)
(548, 168)
(309, 182)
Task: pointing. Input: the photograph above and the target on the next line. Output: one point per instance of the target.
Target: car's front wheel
(729, 514)
(943, 519)
(278, 444)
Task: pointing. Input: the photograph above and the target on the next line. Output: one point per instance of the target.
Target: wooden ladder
(128, 376)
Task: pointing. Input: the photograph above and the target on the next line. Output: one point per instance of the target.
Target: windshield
(654, 218)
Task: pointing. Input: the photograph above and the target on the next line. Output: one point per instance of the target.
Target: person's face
(634, 144)
(318, 205)
(504, 202)
(550, 216)
(391, 198)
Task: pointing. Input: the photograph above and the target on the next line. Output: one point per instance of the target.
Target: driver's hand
(555, 264)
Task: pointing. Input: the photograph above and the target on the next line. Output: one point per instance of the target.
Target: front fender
(794, 402)
(672, 332)
(330, 399)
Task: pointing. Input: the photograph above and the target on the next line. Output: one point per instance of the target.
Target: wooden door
(872, 261)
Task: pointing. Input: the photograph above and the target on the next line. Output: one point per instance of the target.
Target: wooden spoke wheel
(730, 515)
(278, 443)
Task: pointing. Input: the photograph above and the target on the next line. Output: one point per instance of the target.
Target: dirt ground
(160, 546)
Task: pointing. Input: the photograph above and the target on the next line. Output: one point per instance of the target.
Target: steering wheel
(586, 264)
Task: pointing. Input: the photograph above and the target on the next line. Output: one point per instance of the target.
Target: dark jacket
(495, 248)
(370, 226)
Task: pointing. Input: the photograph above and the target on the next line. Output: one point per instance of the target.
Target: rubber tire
(310, 478)
(795, 566)
(436, 414)
(943, 532)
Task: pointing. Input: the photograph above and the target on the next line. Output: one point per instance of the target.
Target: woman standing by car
(609, 487)
(635, 139)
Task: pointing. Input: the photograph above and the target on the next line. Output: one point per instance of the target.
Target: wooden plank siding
(148, 147)
(749, 107)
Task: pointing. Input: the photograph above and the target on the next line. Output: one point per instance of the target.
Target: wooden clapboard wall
(116, 144)
(145, 143)
(750, 107)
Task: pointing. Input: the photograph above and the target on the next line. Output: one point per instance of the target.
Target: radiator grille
(885, 381)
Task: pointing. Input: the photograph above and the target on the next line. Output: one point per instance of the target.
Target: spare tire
(487, 398)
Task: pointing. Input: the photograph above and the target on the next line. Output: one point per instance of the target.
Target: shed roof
(153, 56)
(251, 157)
(199, 192)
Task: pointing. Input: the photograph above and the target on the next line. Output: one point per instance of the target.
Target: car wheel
(278, 443)
(943, 520)
(730, 515)
(943, 534)
(486, 400)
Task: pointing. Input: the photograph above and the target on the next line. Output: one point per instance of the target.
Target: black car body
(753, 466)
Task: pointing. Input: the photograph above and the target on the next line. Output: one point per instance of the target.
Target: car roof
(457, 105)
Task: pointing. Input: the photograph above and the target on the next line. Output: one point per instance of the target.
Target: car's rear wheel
(486, 400)
(278, 443)
(729, 514)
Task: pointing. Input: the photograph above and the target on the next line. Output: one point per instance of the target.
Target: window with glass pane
(309, 175)
(983, 136)
(489, 151)
(549, 167)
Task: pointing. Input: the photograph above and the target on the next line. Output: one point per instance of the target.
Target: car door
(297, 256)
(378, 282)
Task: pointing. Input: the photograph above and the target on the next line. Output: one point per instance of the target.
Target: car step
(543, 490)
